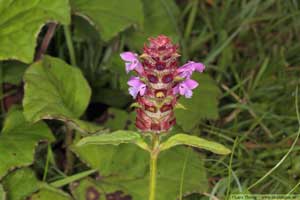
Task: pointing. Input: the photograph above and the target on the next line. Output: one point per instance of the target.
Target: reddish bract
(159, 83)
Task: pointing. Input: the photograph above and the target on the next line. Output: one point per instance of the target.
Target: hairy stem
(69, 154)
(153, 172)
(153, 166)
(70, 45)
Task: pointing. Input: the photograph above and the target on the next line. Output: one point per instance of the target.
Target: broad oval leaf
(18, 141)
(54, 89)
(115, 138)
(110, 17)
(21, 21)
(194, 141)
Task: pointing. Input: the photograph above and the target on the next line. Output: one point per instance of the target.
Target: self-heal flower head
(185, 88)
(159, 83)
(131, 62)
(137, 87)
(187, 69)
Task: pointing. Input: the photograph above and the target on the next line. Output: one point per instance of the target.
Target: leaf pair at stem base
(121, 136)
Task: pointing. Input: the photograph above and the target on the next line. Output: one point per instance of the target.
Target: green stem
(70, 45)
(153, 172)
(153, 166)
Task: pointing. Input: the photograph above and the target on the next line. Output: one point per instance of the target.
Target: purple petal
(199, 67)
(137, 86)
(176, 90)
(135, 82)
(185, 88)
(131, 65)
(128, 67)
(142, 89)
(186, 74)
(182, 88)
(139, 68)
(128, 56)
(187, 69)
(188, 94)
(132, 62)
(189, 63)
(133, 91)
(191, 84)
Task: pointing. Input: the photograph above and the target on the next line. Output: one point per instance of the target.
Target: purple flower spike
(185, 88)
(131, 62)
(137, 87)
(187, 69)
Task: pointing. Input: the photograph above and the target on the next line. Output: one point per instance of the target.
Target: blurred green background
(245, 99)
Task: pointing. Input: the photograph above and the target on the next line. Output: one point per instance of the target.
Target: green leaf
(194, 141)
(135, 105)
(18, 141)
(83, 30)
(50, 194)
(179, 106)
(22, 183)
(87, 188)
(13, 72)
(54, 89)
(110, 17)
(126, 168)
(84, 127)
(21, 21)
(2, 193)
(110, 159)
(202, 105)
(160, 18)
(115, 138)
